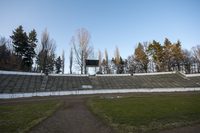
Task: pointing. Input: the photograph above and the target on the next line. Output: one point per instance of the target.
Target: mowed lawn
(20, 117)
(148, 113)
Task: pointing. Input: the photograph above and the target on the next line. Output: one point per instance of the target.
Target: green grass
(19, 118)
(148, 113)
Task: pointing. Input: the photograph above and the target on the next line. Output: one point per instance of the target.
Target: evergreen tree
(58, 65)
(24, 47)
(20, 41)
(30, 50)
(121, 66)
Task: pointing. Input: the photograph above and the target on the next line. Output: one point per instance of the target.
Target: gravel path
(73, 117)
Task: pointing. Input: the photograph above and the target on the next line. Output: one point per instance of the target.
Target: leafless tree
(117, 56)
(46, 55)
(196, 56)
(63, 62)
(118, 62)
(100, 61)
(71, 60)
(196, 52)
(82, 49)
(105, 63)
(8, 59)
(187, 61)
(131, 64)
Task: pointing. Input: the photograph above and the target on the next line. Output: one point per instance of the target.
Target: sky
(111, 23)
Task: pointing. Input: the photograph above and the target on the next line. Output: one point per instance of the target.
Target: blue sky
(112, 23)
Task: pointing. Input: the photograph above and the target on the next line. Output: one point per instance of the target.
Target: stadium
(22, 84)
(71, 95)
(100, 66)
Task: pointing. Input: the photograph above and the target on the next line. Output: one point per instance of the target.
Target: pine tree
(20, 44)
(24, 47)
(20, 41)
(30, 50)
(58, 65)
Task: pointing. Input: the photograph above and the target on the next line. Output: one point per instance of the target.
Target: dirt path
(73, 117)
(188, 129)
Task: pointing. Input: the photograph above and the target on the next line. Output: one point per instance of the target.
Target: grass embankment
(149, 113)
(19, 118)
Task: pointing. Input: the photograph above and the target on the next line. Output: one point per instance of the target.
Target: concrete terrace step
(22, 83)
(44, 83)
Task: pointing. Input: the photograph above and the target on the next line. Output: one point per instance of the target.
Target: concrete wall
(86, 92)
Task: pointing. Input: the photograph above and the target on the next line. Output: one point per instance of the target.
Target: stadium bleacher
(19, 83)
(60, 83)
(195, 79)
(144, 81)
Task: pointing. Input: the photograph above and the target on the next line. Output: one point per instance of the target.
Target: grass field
(148, 113)
(20, 117)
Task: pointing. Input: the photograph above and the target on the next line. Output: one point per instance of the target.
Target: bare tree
(46, 55)
(71, 60)
(4, 54)
(82, 49)
(187, 61)
(141, 58)
(131, 64)
(118, 62)
(196, 56)
(196, 52)
(117, 56)
(105, 63)
(63, 62)
(8, 59)
(100, 59)
(106, 55)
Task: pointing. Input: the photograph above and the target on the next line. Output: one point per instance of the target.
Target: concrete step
(44, 83)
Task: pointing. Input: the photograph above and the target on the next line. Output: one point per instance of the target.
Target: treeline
(23, 52)
(154, 57)
(147, 57)
(22, 49)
